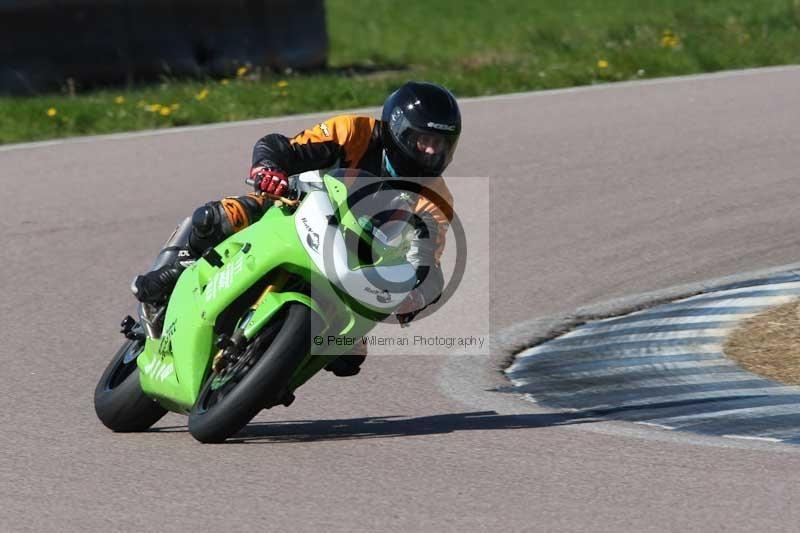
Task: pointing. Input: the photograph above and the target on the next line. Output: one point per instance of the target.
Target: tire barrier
(49, 44)
(664, 367)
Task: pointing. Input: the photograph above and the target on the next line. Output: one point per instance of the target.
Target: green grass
(475, 47)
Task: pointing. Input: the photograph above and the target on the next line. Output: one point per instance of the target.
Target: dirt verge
(768, 344)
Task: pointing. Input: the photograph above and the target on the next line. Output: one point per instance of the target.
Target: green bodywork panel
(174, 367)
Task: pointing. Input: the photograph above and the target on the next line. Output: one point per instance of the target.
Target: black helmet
(420, 128)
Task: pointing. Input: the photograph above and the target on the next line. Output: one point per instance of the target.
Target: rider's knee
(215, 221)
(208, 230)
(205, 219)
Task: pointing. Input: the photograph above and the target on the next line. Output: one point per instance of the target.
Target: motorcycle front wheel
(230, 399)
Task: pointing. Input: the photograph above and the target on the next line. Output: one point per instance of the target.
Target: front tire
(119, 401)
(264, 371)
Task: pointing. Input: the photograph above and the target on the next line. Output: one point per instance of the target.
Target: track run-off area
(592, 194)
(665, 367)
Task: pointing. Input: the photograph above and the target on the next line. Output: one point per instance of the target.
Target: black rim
(219, 385)
(125, 365)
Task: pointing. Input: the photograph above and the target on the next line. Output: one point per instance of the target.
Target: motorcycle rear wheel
(119, 401)
(228, 401)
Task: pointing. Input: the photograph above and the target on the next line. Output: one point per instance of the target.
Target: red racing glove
(269, 180)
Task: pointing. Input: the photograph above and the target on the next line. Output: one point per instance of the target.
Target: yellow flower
(241, 71)
(153, 108)
(52, 112)
(164, 111)
(119, 100)
(602, 63)
(283, 83)
(202, 95)
(669, 40)
(224, 81)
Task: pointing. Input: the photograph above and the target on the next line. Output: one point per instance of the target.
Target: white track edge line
(652, 424)
(748, 437)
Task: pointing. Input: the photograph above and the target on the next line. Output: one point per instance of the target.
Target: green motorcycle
(261, 313)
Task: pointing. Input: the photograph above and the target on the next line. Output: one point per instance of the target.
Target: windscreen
(381, 208)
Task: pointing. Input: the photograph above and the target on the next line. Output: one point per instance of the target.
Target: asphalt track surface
(596, 193)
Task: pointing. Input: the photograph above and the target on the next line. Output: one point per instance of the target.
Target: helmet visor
(432, 151)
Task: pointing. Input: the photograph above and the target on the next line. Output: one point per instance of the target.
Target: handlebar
(291, 203)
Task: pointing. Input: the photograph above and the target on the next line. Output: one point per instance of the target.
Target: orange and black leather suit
(346, 141)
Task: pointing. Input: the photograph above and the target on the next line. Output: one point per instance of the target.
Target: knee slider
(205, 219)
(207, 228)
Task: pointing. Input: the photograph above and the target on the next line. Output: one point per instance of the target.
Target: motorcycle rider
(415, 138)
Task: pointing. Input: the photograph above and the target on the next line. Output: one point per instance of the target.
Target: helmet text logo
(446, 127)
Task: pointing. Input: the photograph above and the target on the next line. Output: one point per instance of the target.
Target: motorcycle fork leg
(237, 338)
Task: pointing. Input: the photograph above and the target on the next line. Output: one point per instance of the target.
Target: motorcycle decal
(158, 370)
(313, 240)
(165, 346)
(312, 237)
(224, 278)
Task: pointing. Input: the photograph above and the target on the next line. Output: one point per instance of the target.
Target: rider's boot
(350, 364)
(195, 234)
(155, 286)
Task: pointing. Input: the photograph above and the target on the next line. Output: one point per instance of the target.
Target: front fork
(255, 319)
(230, 346)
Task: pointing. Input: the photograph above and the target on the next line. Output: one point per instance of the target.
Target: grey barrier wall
(45, 43)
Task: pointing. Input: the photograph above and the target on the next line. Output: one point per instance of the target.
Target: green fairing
(202, 293)
(174, 367)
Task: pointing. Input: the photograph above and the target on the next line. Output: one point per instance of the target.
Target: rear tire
(269, 362)
(119, 401)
